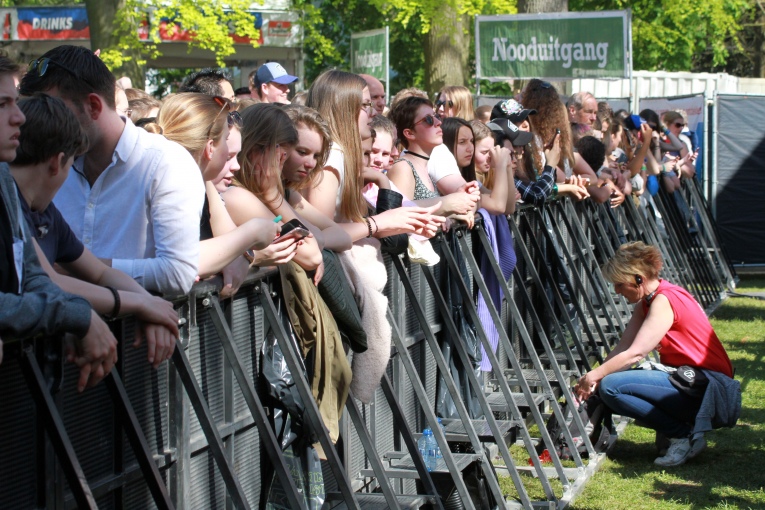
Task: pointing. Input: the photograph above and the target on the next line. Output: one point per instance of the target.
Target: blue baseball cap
(274, 71)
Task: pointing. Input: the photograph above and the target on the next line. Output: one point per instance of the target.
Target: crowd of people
(113, 198)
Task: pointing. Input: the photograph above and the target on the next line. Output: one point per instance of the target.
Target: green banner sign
(369, 53)
(559, 45)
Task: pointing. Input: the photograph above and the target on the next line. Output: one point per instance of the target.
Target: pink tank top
(691, 339)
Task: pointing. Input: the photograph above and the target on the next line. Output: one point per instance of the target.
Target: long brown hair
(451, 128)
(551, 115)
(264, 126)
(337, 96)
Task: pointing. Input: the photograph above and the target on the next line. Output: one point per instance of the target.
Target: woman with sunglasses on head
(275, 157)
(201, 123)
(455, 101)
(671, 153)
(420, 133)
(339, 97)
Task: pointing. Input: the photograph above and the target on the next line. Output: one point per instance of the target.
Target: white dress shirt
(142, 212)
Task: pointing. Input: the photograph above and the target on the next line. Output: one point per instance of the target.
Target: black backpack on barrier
(598, 424)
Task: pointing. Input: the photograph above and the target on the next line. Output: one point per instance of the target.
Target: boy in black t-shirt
(30, 304)
(49, 141)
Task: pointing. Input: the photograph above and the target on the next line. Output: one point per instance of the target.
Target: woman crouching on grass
(668, 319)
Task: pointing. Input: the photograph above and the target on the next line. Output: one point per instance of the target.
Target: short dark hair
(7, 66)
(207, 81)
(404, 115)
(592, 150)
(50, 128)
(74, 70)
(242, 91)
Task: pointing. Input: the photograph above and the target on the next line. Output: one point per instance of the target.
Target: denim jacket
(41, 308)
(721, 405)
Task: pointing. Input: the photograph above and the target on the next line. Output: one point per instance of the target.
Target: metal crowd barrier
(197, 432)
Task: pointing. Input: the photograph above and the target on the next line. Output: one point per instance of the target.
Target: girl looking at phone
(267, 137)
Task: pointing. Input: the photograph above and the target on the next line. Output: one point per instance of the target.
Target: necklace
(426, 158)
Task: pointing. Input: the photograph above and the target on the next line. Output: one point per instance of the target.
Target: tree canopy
(671, 35)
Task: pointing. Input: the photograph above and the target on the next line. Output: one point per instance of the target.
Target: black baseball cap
(507, 128)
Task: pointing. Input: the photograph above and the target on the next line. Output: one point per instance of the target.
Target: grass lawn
(731, 472)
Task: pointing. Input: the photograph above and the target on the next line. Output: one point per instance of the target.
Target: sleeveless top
(420, 190)
(691, 339)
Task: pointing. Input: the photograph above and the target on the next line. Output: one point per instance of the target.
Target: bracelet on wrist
(117, 304)
(554, 191)
(373, 220)
(369, 226)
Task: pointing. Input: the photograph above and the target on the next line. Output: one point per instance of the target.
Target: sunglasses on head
(232, 118)
(41, 66)
(545, 85)
(429, 119)
(440, 103)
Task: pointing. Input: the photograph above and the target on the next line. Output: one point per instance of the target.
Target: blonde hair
(264, 126)
(670, 116)
(303, 116)
(481, 131)
(191, 119)
(462, 99)
(632, 260)
(337, 96)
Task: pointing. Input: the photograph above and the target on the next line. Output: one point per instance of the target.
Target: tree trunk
(759, 44)
(447, 45)
(105, 34)
(535, 6)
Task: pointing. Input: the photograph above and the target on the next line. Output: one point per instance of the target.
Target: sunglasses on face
(679, 124)
(440, 103)
(429, 119)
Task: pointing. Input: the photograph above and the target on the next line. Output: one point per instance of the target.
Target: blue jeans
(648, 396)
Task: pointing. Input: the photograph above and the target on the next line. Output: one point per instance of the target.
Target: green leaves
(670, 34)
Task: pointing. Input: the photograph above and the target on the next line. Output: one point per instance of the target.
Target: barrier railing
(198, 432)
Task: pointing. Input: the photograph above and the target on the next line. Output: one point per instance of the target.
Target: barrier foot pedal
(455, 430)
(403, 467)
(498, 404)
(531, 376)
(376, 501)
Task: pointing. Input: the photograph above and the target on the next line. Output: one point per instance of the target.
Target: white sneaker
(677, 453)
(697, 446)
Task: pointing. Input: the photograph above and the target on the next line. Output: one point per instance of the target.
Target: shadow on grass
(739, 309)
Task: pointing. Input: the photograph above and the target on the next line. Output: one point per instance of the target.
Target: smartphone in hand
(550, 144)
(293, 229)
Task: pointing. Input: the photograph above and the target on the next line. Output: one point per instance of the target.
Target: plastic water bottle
(427, 446)
(439, 455)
